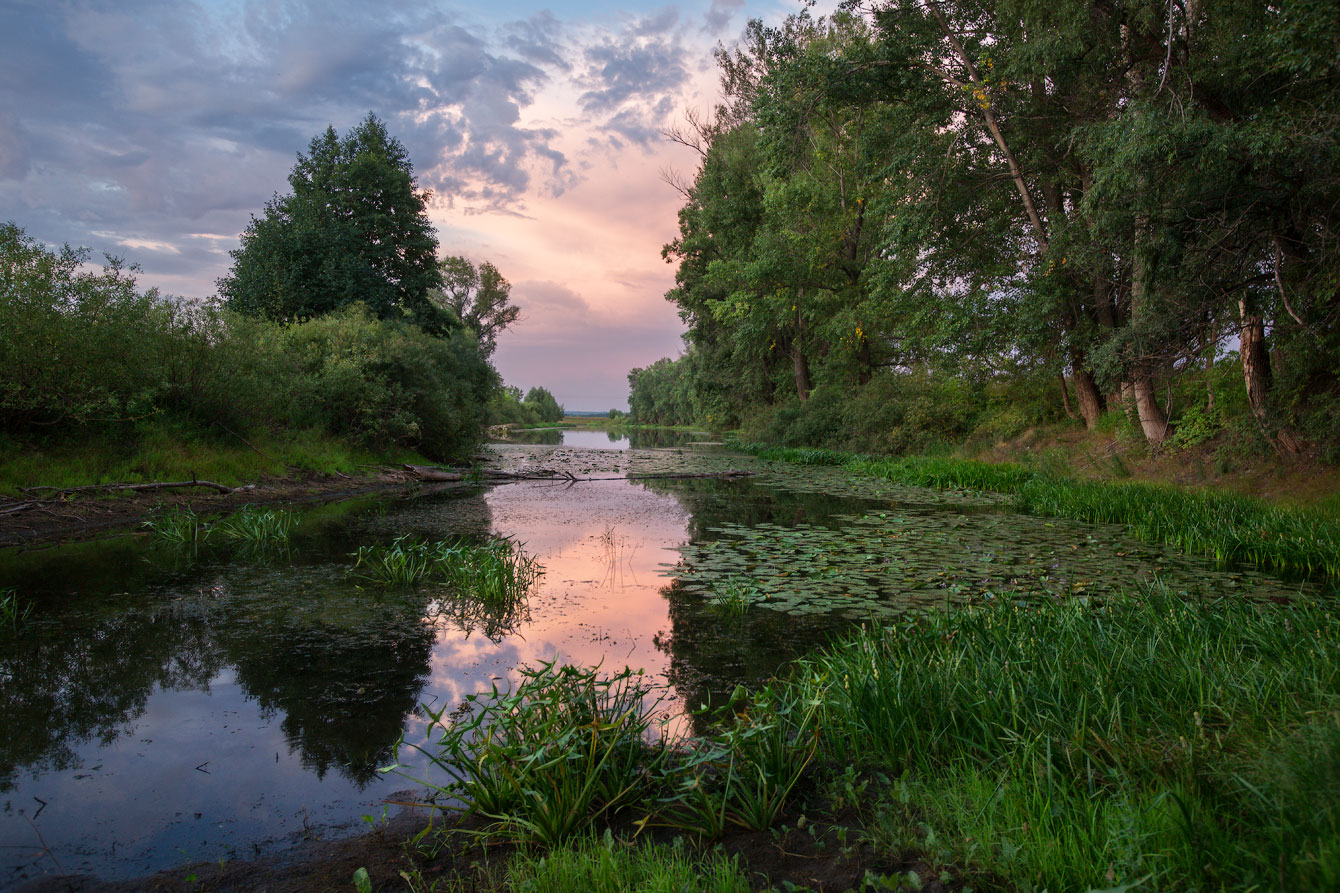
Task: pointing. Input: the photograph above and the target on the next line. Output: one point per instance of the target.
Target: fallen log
(56, 492)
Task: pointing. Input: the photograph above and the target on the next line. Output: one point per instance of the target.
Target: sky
(154, 129)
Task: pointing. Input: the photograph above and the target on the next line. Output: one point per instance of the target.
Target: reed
(497, 572)
(568, 747)
(14, 612)
(256, 527)
(1147, 739)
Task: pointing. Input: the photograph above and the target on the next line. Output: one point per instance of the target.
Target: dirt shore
(81, 516)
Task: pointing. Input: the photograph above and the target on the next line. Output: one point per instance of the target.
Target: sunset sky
(153, 130)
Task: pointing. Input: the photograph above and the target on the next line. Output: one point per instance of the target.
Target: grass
(1067, 746)
(607, 865)
(1146, 742)
(252, 528)
(566, 748)
(496, 572)
(14, 612)
(163, 453)
(733, 596)
(1224, 526)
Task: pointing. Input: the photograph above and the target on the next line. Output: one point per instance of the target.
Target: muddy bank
(87, 515)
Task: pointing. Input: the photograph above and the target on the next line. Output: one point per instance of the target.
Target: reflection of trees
(710, 651)
(344, 668)
(63, 685)
(712, 502)
(651, 438)
(543, 435)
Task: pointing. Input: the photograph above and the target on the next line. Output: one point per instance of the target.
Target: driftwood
(56, 492)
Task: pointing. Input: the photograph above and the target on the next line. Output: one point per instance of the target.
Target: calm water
(160, 708)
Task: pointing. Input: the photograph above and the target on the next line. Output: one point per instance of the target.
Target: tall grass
(497, 572)
(250, 528)
(14, 612)
(1068, 746)
(567, 747)
(1223, 526)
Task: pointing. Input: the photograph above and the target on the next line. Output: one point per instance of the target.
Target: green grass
(1223, 526)
(1067, 746)
(252, 528)
(566, 748)
(169, 453)
(608, 865)
(14, 612)
(496, 572)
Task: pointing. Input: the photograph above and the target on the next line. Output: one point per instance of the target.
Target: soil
(811, 859)
(84, 515)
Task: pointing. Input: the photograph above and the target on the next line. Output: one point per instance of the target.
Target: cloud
(718, 18)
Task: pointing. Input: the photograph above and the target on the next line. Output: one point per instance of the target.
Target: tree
(478, 296)
(354, 229)
(544, 405)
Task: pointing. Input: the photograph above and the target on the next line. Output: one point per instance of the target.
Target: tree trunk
(1088, 396)
(1153, 422)
(802, 368)
(1065, 398)
(1255, 361)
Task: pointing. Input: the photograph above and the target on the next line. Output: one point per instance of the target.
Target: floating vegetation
(891, 563)
(497, 571)
(1229, 528)
(14, 611)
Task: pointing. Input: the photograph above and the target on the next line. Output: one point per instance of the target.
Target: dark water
(159, 707)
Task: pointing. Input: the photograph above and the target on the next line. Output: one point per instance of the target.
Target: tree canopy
(354, 229)
(1103, 196)
(478, 296)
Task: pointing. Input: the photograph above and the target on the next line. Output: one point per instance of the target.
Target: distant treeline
(337, 317)
(917, 221)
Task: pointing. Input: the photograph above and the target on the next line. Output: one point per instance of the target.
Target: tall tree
(479, 297)
(354, 229)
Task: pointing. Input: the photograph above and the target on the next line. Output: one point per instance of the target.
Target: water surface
(161, 707)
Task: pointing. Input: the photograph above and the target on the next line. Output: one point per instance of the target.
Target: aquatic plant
(1224, 526)
(256, 527)
(734, 595)
(566, 747)
(14, 611)
(180, 527)
(496, 571)
(1181, 742)
(743, 771)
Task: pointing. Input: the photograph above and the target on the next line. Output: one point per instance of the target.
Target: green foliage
(252, 527)
(543, 405)
(1210, 764)
(14, 612)
(478, 296)
(566, 748)
(355, 229)
(1067, 192)
(496, 572)
(92, 353)
(608, 865)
